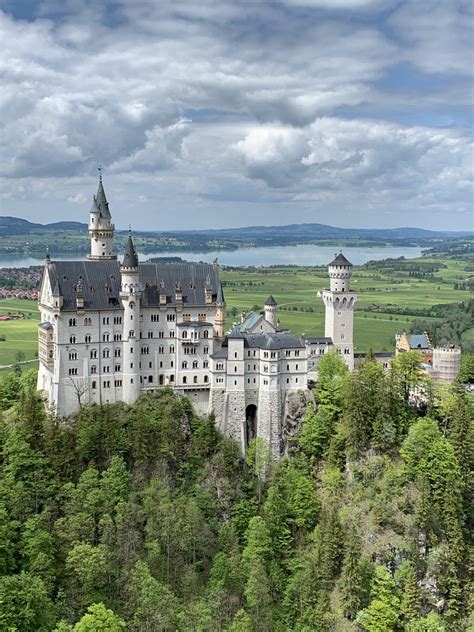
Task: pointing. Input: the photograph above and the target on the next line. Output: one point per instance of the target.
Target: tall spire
(130, 258)
(101, 200)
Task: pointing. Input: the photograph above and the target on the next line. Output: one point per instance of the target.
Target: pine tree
(411, 601)
(353, 581)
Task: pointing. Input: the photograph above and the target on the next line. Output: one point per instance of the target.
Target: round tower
(270, 308)
(130, 296)
(219, 320)
(340, 273)
(339, 301)
(446, 363)
(101, 228)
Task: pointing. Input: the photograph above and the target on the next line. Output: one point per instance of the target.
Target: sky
(223, 113)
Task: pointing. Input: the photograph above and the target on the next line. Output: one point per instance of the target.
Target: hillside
(144, 517)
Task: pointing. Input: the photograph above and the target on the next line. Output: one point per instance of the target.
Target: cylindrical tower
(271, 307)
(340, 273)
(340, 301)
(101, 228)
(130, 296)
(446, 363)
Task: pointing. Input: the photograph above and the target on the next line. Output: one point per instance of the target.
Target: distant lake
(304, 255)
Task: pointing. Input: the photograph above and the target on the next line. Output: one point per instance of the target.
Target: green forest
(144, 518)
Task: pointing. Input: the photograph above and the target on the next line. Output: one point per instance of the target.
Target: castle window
(205, 364)
(73, 355)
(185, 379)
(170, 318)
(235, 382)
(273, 354)
(206, 350)
(93, 369)
(73, 371)
(72, 339)
(287, 380)
(185, 334)
(105, 337)
(87, 339)
(297, 354)
(106, 383)
(72, 322)
(296, 367)
(145, 350)
(155, 318)
(171, 376)
(161, 334)
(106, 353)
(235, 354)
(117, 337)
(184, 365)
(161, 349)
(265, 382)
(287, 367)
(195, 364)
(131, 334)
(342, 336)
(106, 369)
(93, 354)
(94, 384)
(131, 365)
(296, 380)
(220, 366)
(87, 322)
(117, 368)
(235, 369)
(117, 353)
(265, 354)
(118, 383)
(172, 333)
(206, 378)
(195, 379)
(105, 320)
(132, 305)
(150, 334)
(205, 334)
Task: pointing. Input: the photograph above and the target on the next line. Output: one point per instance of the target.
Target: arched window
(93, 354)
(205, 334)
(87, 339)
(185, 334)
(72, 339)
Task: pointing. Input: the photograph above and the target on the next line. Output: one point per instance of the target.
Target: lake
(304, 255)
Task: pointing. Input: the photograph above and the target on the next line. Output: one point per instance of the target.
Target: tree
(24, 604)
(99, 619)
(382, 614)
(259, 460)
(87, 566)
(354, 583)
(150, 604)
(411, 601)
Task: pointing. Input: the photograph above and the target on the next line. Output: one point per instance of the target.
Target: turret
(219, 321)
(101, 228)
(271, 311)
(130, 296)
(340, 273)
(340, 300)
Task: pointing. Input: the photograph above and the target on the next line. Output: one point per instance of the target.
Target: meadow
(301, 310)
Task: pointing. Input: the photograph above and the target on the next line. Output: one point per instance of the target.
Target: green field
(296, 290)
(21, 335)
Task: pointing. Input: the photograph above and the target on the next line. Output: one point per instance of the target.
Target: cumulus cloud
(271, 104)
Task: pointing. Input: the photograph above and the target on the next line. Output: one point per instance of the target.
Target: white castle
(110, 332)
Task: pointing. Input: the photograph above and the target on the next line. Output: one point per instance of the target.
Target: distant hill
(18, 226)
(252, 235)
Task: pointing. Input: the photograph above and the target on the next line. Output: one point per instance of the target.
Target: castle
(110, 331)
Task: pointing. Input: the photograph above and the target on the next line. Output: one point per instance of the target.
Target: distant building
(442, 364)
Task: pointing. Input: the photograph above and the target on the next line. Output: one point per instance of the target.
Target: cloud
(264, 105)
(79, 198)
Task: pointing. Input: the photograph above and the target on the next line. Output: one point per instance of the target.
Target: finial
(47, 257)
(99, 169)
(129, 230)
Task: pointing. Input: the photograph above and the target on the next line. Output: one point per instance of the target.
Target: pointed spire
(220, 295)
(130, 258)
(100, 199)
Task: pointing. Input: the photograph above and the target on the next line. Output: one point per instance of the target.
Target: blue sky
(230, 113)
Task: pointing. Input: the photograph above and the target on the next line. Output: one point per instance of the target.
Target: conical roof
(56, 291)
(101, 201)
(271, 301)
(340, 260)
(130, 258)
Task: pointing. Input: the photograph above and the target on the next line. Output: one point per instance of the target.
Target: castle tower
(340, 301)
(101, 229)
(271, 311)
(219, 321)
(130, 296)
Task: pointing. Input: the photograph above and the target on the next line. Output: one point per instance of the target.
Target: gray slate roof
(101, 201)
(340, 260)
(419, 341)
(101, 282)
(271, 301)
(265, 340)
(130, 257)
(317, 340)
